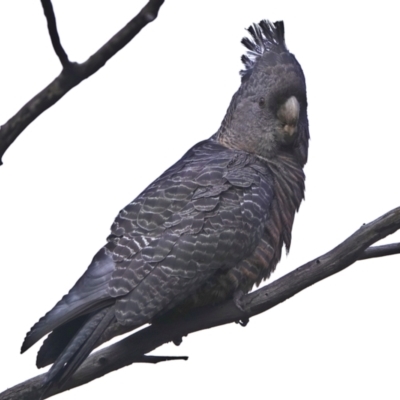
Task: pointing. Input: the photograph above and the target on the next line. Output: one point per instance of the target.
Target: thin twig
(381, 251)
(73, 75)
(129, 349)
(53, 32)
(31, 389)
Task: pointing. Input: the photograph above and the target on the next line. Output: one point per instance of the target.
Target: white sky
(66, 177)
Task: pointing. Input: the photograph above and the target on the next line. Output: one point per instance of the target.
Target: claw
(177, 341)
(238, 300)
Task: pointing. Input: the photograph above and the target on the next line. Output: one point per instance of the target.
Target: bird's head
(268, 114)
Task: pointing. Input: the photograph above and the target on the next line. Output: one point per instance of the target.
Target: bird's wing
(205, 213)
(206, 216)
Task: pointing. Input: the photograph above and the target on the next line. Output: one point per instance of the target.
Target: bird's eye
(261, 102)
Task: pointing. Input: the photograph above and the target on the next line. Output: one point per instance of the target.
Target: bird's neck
(289, 191)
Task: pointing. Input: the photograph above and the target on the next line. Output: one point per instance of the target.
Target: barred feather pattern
(203, 215)
(288, 182)
(193, 224)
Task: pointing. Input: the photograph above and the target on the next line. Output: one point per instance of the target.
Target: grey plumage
(211, 226)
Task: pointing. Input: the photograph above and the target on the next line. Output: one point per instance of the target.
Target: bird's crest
(265, 37)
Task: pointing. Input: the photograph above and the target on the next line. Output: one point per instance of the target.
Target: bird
(209, 229)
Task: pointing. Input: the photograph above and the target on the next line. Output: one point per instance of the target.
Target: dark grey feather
(210, 226)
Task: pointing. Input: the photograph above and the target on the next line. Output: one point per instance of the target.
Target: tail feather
(79, 348)
(89, 294)
(58, 340)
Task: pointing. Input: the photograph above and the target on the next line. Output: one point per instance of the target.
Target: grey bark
(72, 73)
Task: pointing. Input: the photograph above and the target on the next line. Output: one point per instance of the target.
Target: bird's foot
(238, 300)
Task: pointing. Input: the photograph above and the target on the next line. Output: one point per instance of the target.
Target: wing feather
(203, 215)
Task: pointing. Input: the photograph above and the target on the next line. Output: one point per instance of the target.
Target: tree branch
(74, 74)
(55, 39)
(380, 251)
(132, 348)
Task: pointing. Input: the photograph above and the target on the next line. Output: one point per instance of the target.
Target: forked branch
(133, 348)
(72, 73)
